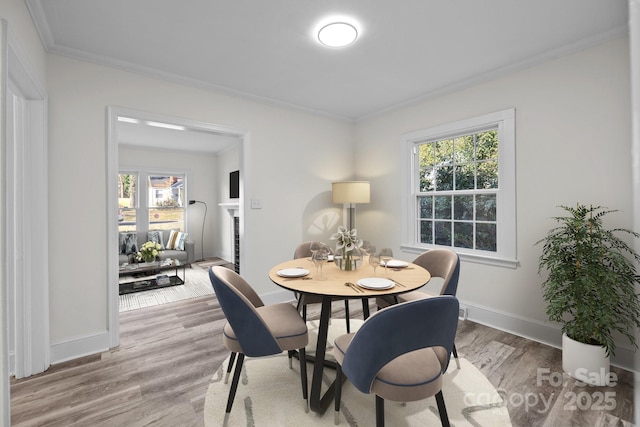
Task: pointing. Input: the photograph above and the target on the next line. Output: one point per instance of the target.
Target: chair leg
(303, 377)
(346, 311)
(442, 409)
(234, 382)
(232, 358)
(379, 411)
(290, 355)
(455, 355)
(338, 394)
(365, 308)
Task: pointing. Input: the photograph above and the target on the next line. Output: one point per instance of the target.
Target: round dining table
(337, 283)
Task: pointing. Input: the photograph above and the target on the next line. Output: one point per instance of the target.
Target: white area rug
(197, 284)
(269, 395)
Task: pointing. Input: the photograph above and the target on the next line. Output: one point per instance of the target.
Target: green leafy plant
(590, 288)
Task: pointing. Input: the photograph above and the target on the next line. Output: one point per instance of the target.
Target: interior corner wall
(572, 146)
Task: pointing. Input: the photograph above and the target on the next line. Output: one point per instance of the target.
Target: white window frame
(504, 121)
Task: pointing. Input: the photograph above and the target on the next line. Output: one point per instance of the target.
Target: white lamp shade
(351, 192)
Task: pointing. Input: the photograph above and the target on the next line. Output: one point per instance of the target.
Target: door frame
(112, 195)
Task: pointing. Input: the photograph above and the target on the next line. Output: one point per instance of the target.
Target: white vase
(585, 362)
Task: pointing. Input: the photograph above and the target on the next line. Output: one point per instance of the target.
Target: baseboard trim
(79, 347)
(543, 332)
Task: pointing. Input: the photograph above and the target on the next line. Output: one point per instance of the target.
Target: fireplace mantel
(232, 207)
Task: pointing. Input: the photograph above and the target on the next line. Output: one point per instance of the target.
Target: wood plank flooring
(160, 373)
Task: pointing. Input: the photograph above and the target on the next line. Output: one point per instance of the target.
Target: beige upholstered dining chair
(396, 362)
(256, 330)
(441, 263)
(304, 251)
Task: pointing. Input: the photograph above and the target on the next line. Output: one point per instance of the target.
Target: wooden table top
(333, 280)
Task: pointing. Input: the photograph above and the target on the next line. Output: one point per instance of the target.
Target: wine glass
(374, 261)
(320, 258)
(386, 255)
(314, 246)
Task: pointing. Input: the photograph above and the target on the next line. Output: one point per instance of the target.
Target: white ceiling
(407, 49)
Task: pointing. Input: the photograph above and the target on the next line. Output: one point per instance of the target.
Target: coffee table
(149, 269)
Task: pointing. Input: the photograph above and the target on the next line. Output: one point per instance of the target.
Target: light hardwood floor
(160, 373)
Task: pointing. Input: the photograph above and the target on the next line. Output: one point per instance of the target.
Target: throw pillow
(176, 240)
(155, 236)
(128, 243)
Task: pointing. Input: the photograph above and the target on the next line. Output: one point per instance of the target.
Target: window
(461, 188)
(155, 198)
(166, 201)
(127, 201)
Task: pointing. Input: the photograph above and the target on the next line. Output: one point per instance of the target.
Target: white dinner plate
(293, 272)
(395, 263)
(376, 283)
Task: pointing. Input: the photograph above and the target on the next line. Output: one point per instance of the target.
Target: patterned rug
(269, 395)
(197, 284)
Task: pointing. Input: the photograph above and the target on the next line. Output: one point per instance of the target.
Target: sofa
(174, 245)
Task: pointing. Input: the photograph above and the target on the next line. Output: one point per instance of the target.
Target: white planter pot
(585, 362)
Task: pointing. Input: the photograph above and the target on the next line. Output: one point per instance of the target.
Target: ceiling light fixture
(128, 119)
(337, 34)
(165, 125)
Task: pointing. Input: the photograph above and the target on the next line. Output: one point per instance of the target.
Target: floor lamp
(350, 193)
(204, 217)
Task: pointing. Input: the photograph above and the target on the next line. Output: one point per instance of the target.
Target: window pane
(487, 145)
(443, 207)
(463, 207)
(127, 201)
(426, 231)
(487, 175)
(127, 188)
(465, 177)
(166, 218)
(425, 167)
(427, 179)
(166, 191)
(444, 178)
(426, 206)
(486, 207)
(443, 233)
(464, 149)
(463, 234)
(444, 152)
(486, 237)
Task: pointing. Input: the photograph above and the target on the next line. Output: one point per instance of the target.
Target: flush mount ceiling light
(337, 34)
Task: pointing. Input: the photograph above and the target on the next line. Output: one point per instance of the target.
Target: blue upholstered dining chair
(256, 330)
(441, 263)
(396, 362)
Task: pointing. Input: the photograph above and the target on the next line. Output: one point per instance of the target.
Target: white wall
(291, 160)
(572, 145)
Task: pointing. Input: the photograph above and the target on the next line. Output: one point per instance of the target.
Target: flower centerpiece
(348, 255)
(148, 252)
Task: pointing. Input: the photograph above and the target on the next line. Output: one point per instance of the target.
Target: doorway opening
(162, 136)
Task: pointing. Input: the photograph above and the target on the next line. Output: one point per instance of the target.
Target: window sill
(465, 256)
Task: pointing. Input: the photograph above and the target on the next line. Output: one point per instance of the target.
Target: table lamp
(351, 193)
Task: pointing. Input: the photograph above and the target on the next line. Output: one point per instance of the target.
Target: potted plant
(590, 289)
